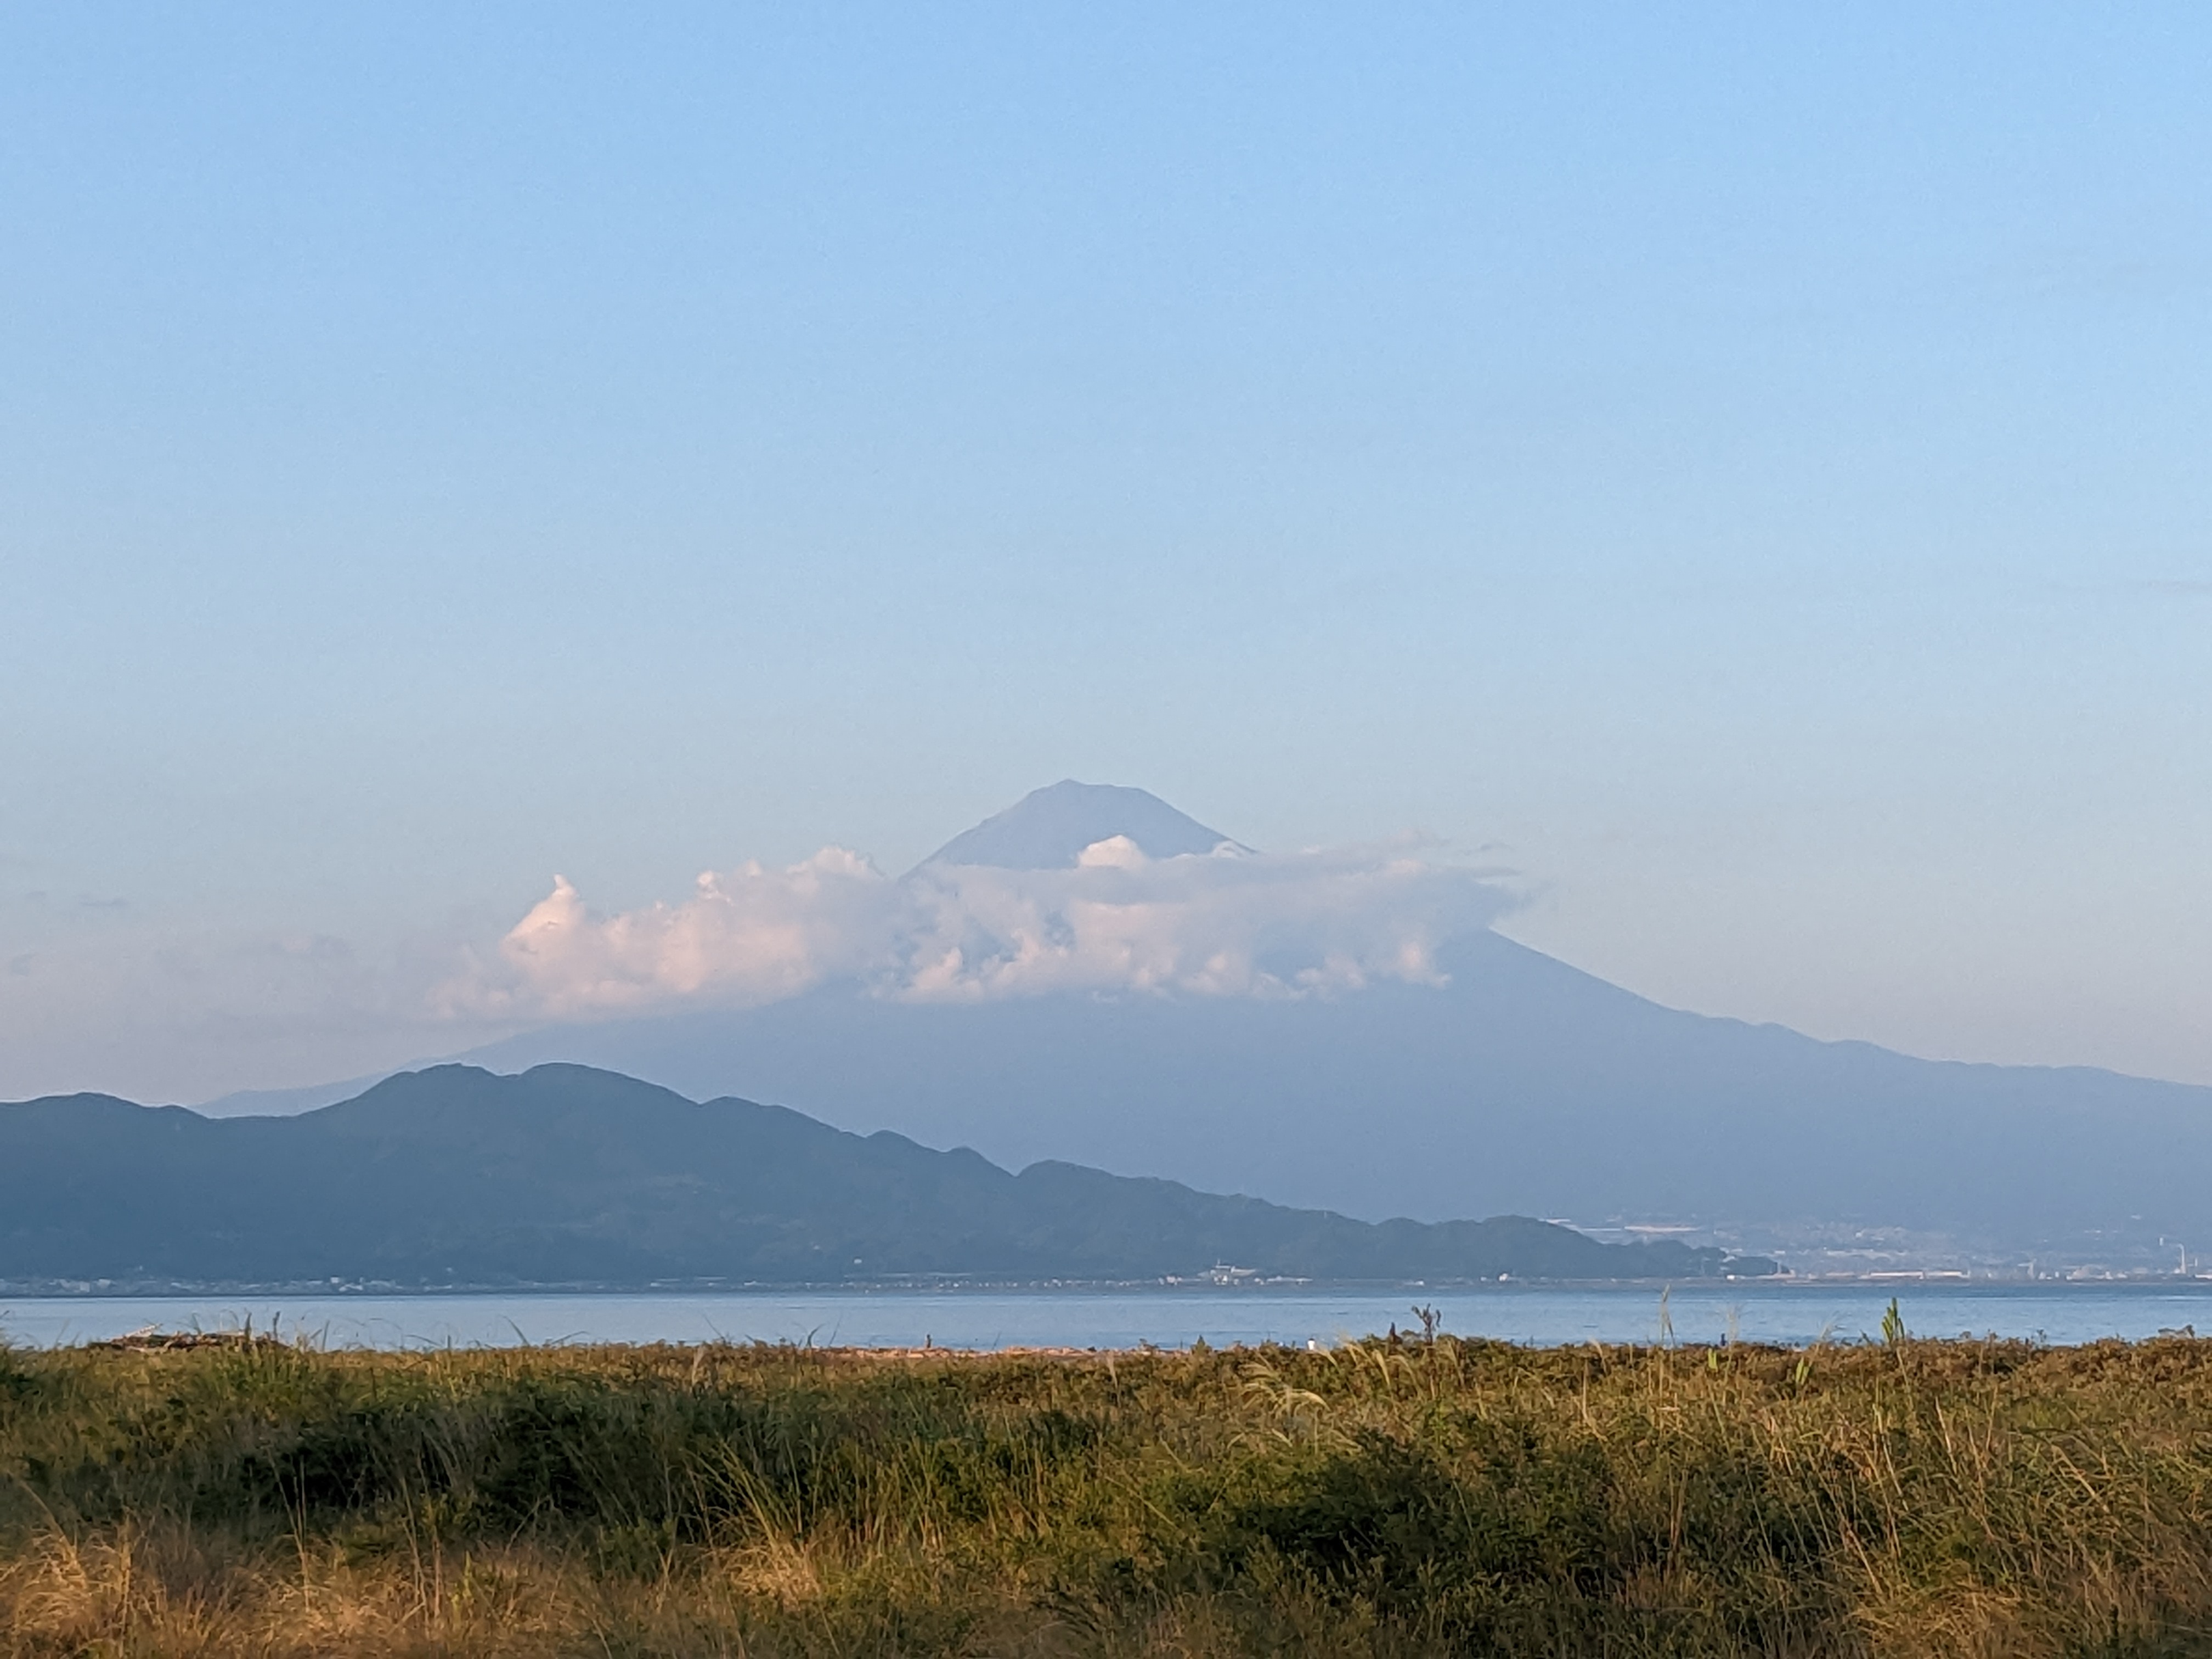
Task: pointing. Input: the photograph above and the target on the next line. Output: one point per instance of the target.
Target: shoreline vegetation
(1411, 1494)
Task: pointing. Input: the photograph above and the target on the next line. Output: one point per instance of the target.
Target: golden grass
(1913, 1498)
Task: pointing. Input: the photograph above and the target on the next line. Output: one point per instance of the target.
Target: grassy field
(1389, 1496)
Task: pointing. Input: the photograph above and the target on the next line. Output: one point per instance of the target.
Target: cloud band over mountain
(1231, 923)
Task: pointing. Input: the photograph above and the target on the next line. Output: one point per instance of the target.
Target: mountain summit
(1049, 828)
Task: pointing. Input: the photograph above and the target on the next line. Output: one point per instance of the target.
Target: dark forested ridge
(567, 1175)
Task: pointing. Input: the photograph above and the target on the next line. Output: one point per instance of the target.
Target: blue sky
(1741, 469)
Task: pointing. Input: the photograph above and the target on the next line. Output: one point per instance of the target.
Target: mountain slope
(569, 1175)
(1521, 1085)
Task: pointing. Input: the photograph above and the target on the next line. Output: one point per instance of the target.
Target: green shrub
(1905, 1498)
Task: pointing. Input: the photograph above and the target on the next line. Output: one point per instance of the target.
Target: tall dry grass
(1389, 1496)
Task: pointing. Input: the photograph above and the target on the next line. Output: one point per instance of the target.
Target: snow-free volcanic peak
(1049, 828)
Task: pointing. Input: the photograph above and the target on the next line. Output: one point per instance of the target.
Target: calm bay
(1792, 1313)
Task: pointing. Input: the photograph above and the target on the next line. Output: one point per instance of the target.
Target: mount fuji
(1497, 1080)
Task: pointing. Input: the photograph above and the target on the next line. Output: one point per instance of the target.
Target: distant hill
(569, 1175)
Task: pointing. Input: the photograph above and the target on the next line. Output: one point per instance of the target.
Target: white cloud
(1225, 925)
(747, 935)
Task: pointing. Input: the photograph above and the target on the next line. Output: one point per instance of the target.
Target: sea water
(1170, 1317)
